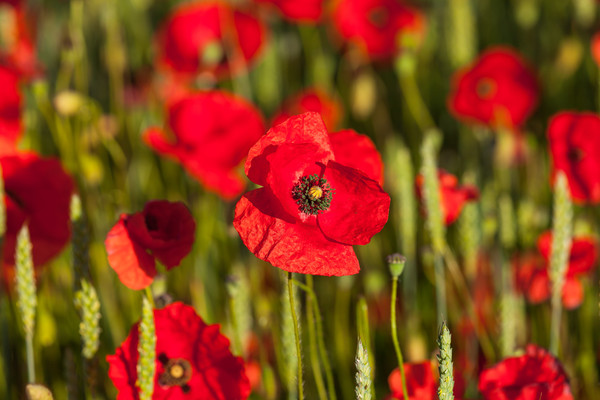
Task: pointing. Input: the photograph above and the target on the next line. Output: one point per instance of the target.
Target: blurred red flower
(574, 141)
(533, 376)
(301, 11)
(311, 209)
(532, 277)
(10, 111)
(420, 382)
(17, 49)
(595, 48)
(453, 196)
(193, 360)
(233, 36)
(38, 193)
(163, 231)
(375, 26)
(311, 99)
(498, 89)
(211, 135)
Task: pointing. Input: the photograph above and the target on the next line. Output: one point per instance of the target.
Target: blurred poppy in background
(163, 231)
(574, 141)
(210, 37)
(37, 193)
(210, 134)
(311, 209)
(533, 376)
(311, 99)
(299, 11)
(17, 48)
(453, 196)
(193, 360)
(420, 382)
(375, 27)
(498, 90)
(10, 111)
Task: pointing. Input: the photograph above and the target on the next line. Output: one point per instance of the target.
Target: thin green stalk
(395, 338)
(415, 102)
(296, 335)
(312, 340)
(320, 341)
(150, 296)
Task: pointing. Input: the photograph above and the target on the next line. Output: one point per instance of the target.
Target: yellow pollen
(176, 371)
(315, 192)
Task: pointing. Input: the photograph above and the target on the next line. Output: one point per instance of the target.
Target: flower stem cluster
(312, 194)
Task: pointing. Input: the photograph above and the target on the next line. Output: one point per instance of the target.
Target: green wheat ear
(431, 191)
(146, 367)
(446, 388)
(38, 392)
(86, 301)
(363, 373)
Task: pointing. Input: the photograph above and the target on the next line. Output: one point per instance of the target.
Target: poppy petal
(357, 151)
(307, 128)
(293, 247)
(134, 266)
(355, 197)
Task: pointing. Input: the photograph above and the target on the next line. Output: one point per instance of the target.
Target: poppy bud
(396, 264)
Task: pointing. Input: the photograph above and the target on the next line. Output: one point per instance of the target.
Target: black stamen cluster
(305, 203)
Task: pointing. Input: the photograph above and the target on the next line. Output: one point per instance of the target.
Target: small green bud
(396, 264)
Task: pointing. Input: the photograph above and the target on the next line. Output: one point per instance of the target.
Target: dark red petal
(357, 151)
(276, 238)
(359, 207)
(574, 141)
(135, 268)
(307, 128)
(38, 191)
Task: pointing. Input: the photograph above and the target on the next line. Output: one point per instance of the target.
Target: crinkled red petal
(307, 128)
(275, 237)
(359, 207)
(357, 151)
(134, 266)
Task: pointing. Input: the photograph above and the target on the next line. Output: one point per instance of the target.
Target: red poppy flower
(453, 196)
(582, 257)
(38, 193)
(16, 46)
(303, 11)
(375, 25)
(193, 360)
(595, 48)
(420, 382)
(497, 89)
(212, 133)
(311, 208)
(357, 151)
(533, 376)
(163, 231)
(10, 111)
(574, 141)
(194, 27)
(312, 99)
(532, 277)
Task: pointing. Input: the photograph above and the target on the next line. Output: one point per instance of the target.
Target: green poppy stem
(296, 335)
(395, 338)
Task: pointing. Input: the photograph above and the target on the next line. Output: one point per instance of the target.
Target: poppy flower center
(177, 372)
(486, 88)
(312, 194)
(378, 17)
